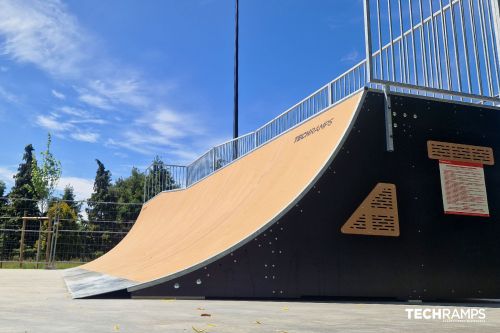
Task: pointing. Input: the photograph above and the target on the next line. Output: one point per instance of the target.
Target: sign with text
(463, 188)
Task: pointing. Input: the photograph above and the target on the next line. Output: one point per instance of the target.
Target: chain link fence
(67, 234)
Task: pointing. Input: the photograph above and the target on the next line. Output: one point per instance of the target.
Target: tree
(101, 210)
(65, 219)
(98, 206)
(23, 185)
(3, 201)
(46, 176)
(21, 200)
(69, 197)
(129, 194)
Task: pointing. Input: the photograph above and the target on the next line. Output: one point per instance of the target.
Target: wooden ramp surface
(180, 231)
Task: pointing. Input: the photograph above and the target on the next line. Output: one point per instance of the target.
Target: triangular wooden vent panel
(377, 215)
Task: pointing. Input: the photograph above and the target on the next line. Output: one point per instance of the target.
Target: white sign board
(464, 189)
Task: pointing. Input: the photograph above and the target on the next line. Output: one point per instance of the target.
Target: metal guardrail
(439, 48)
(442, 47)
(161, 177)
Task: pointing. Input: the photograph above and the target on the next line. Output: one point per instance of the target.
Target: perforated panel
(459, 152)
(377, 215)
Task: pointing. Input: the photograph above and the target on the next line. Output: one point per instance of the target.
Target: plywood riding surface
(179, 230)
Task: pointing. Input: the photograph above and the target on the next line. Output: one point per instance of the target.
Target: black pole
(236, 32)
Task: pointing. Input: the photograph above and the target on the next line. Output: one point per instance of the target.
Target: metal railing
(161, 177)
(439, 48)
(180, 177)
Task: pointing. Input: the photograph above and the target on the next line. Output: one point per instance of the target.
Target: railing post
(145, 182)
(388, 119)
(214, 162)
(368, 40)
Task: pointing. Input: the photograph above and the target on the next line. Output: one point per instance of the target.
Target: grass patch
(33, 265)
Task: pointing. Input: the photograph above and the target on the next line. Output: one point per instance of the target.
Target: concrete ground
(37, 301)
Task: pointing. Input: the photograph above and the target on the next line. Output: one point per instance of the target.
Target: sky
(125, 80)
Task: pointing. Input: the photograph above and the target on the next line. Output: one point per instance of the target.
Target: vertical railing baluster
(486, 51)
(474, 43)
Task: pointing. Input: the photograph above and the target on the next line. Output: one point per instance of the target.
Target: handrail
(159, 176)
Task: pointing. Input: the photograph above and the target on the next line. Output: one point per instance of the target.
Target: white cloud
(42, 33)
(68, 128)
(79, 116)
(58, 94)
(83, 187)
(85, 136)
(169, 125)
(52, 124)
(96, 101)
(72, 111)
(121, 91)
(96, 121)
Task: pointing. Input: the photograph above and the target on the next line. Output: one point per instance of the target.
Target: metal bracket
(388, 119)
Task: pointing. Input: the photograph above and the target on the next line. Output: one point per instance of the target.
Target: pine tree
(3, 200)
(21, 200)
(69, 197)
(99, 208)
(23, 186)
(101, 211)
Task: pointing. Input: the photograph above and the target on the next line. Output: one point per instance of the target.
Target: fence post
(48, 242)
(21, 243)
(39, 242)
(368, 40)
(54, 247)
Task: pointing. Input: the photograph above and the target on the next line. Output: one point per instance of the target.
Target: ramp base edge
(82, 283)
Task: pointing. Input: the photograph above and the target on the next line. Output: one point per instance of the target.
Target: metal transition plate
(82, 283)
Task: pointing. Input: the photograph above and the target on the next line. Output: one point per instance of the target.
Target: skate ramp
(180, 231)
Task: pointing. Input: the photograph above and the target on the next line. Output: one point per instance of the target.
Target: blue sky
(125, 80)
